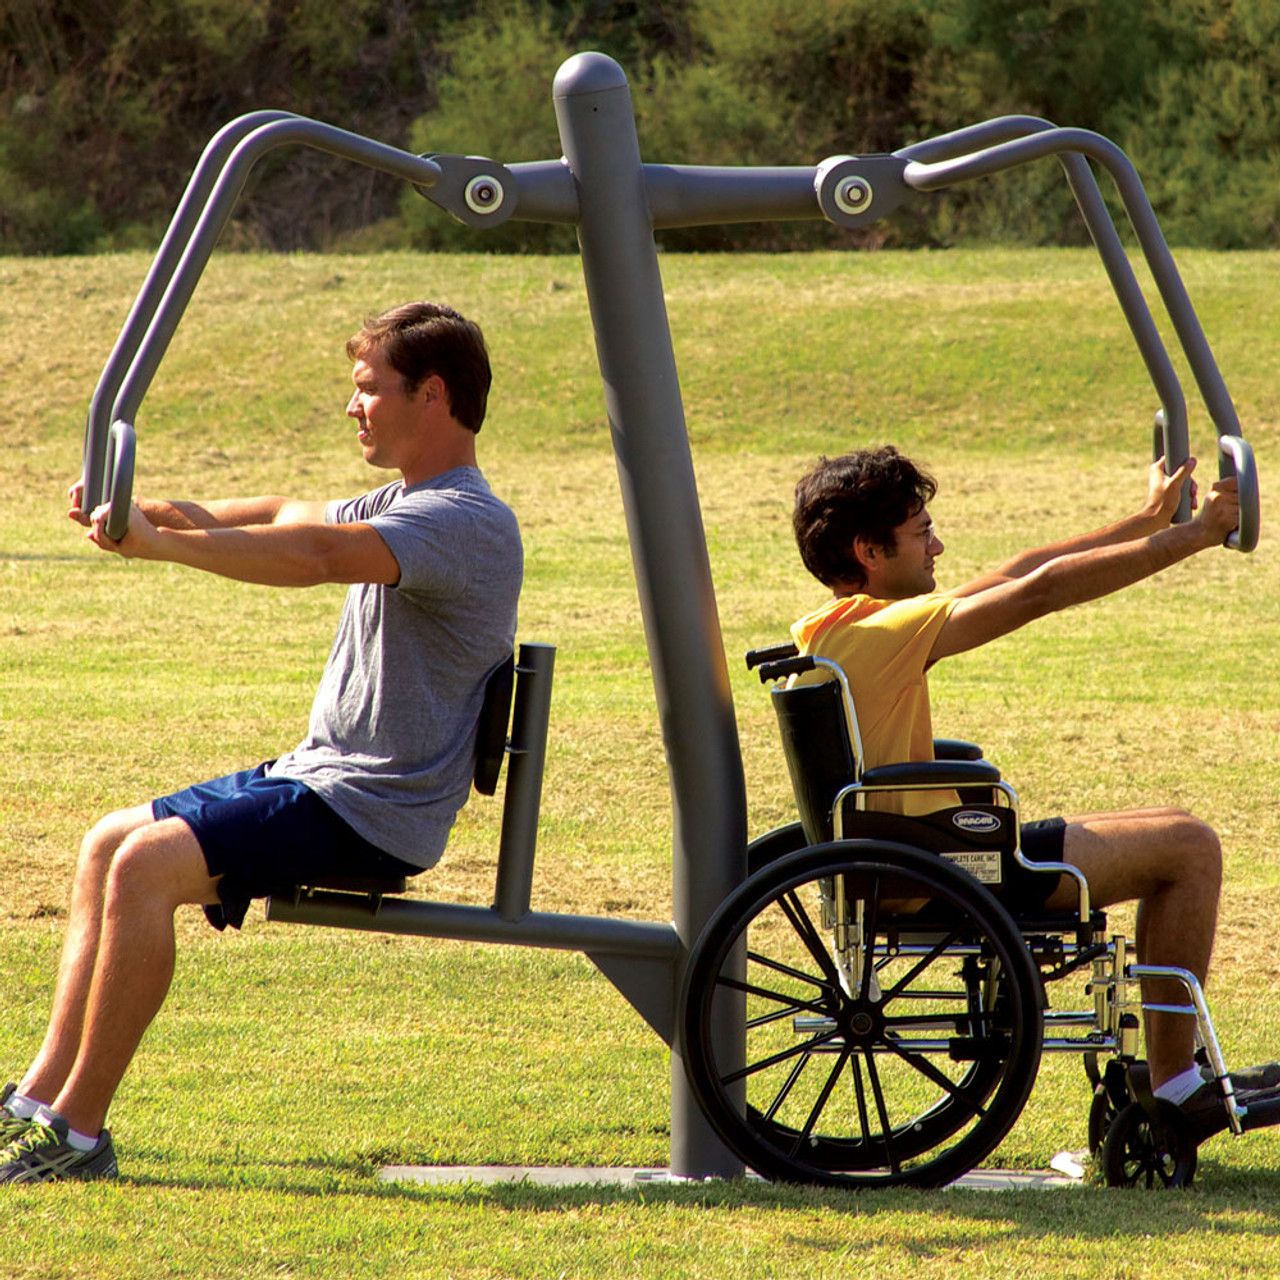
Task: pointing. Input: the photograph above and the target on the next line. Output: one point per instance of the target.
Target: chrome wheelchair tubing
(1199, 1009)
(836, 672)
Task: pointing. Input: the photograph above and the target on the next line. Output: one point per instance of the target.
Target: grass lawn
(289, 1064)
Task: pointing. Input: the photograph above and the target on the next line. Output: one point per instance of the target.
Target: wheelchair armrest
(933, 773)
(955, 749)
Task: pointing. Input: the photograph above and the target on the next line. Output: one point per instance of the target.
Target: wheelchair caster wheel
(1136, 1155)
(1102, 1114)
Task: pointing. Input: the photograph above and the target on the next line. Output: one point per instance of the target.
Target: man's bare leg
(48, 1072)
(1171, 864)
(155, 869)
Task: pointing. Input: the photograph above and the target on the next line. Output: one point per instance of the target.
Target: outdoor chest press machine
(616, 201)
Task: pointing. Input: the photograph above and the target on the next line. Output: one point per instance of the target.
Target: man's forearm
(1093, 572)
(1130, 529)
(223, 513)
(1164, 490)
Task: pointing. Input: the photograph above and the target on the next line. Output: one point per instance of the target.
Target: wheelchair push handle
(780, 668)
(117, 484)
(770, 653)
(1235, 458)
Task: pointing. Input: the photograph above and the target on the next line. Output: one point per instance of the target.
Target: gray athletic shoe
(43, 1154)
(11, 1128)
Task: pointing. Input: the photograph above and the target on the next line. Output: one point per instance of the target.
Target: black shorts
(262, 834)
(1042, 841)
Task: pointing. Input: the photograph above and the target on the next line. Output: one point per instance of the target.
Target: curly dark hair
(864, 494)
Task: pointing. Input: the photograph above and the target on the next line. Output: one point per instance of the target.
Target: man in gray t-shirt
(391, 746)
(434, 566)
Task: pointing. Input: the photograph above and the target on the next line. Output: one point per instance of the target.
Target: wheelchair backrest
(820, 757)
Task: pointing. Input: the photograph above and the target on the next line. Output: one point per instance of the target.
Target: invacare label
(976, 823)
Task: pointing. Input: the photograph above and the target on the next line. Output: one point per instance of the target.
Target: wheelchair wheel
(979, 1078)
(1135, 1155)
(775, 844)
(903, 1056)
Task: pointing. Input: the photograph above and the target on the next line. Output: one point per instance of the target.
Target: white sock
(1177, 1089)
(80, 1141)
(21, 1106)
(76, 1140)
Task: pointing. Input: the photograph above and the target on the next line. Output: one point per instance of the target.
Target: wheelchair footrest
(1262, 1112)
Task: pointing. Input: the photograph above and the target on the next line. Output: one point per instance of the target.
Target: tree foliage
(106, 104)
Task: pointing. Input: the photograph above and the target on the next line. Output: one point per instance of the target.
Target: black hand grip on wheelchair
(118, 482)
(1235, 457)
(786, 667)
(770, 653)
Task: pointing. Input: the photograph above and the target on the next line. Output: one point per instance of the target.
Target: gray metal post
(673, 572)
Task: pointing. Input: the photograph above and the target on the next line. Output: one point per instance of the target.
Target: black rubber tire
(937, 1069)
(1133, 1155)
(1102, 1114)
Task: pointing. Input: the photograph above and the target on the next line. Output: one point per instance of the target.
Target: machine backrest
(491, 735)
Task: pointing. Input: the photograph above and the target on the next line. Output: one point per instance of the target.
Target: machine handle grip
(117, 486)
(1235, 457)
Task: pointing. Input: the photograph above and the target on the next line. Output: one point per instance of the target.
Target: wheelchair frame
(615, 201)
(935, 1124)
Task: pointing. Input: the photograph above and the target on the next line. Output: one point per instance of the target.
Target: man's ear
(867, 554)
(433, 388)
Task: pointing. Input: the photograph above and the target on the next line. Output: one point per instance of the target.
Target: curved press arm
(202, 214)
(1235, 457)
(117, 484)
(98, 424)
(1001, 144)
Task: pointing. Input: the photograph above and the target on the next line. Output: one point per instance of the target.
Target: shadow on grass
(1225, 1200)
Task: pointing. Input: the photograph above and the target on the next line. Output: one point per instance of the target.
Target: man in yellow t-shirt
(893, 640)
(863, 528)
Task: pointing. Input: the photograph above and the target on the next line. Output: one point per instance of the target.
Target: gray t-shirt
(391, 744)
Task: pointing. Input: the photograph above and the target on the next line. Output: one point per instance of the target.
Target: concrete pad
(568, 1176)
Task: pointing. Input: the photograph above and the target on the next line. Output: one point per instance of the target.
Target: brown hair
(422, 339)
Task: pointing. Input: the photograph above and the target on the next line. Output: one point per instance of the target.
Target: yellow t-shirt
(883, 647)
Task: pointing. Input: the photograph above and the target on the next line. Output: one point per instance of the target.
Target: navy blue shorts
(1042, 841)
(263, 834)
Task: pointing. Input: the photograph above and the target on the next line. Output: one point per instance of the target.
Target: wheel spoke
(828, 1085)
(939, 1078)
(754, 1068)
(778, 966)
(787, 1011)
(860, 1094)
(886, 1131)
(934, 953)
(777, 997)
(788, 1085)
(868, 943)
(794, 910)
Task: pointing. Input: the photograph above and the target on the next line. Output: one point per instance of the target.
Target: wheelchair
(896, 1008)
